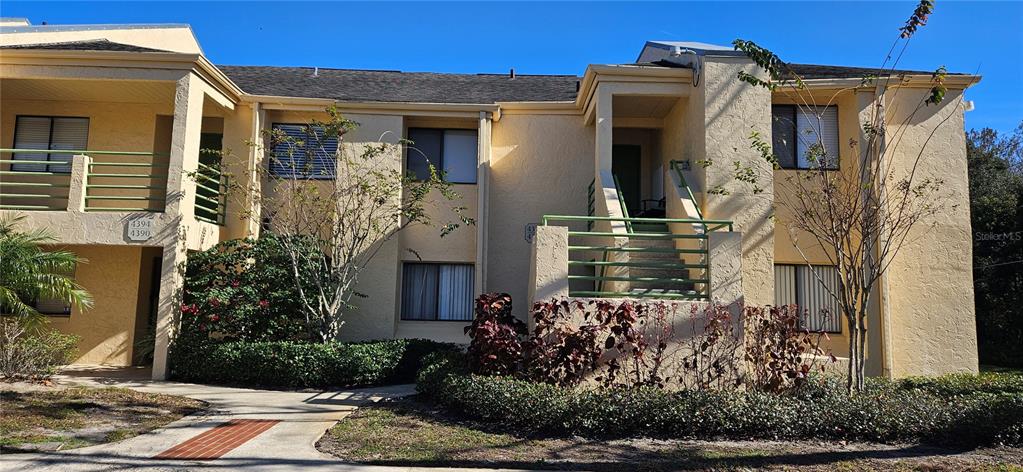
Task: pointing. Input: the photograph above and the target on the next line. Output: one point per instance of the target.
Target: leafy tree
(996, 210)
(862, 217)
(28, 272)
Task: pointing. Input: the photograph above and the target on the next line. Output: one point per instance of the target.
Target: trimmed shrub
(966, 384)
(821, 410)
(28, 354)
(299, 365)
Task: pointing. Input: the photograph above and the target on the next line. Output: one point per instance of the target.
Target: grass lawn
(409, 433)
(33, 419)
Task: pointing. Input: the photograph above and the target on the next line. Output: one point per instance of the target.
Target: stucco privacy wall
(174, 38)
(732, 110)
(930, 282)
(541, 164)
(107, 330)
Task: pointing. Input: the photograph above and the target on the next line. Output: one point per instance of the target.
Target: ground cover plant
(64, 418)
(412, 433)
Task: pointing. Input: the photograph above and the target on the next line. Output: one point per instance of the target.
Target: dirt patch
(409, 433)
(39, 417)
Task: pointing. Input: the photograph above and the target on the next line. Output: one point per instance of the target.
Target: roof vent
(316, 71)
(511, 73)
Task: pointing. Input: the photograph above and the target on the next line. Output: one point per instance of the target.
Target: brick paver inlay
(218, 441)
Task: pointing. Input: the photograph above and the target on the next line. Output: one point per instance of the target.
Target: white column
(180, 210)
(482, 200)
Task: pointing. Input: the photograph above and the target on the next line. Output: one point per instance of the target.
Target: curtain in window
(812, 123)
(455, 292)
(797, 285)
(44, 132)
(821, 309)
(308, 153)
(460, 151)
(419, 292)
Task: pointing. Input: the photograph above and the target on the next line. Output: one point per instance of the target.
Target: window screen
(797, 285)
(303, 151)
(441, 292)
(49, 132)
(451, 151)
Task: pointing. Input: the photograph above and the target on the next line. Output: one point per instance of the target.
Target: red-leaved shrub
(496, 348)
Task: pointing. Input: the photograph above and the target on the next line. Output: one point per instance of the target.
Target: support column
(79, 178)
(482, 199)
(725, 253)
(180, 210)
(604, 130)
(548, 266)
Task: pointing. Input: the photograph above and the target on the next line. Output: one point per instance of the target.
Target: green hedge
(887, 412)
(298, 364)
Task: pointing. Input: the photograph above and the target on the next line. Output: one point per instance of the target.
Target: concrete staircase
(654, 259)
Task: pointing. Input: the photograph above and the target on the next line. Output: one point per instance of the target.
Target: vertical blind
(797, 285)
(306, 152)
(451, 151)
(49, 132)
(437, 292)
(796, 129)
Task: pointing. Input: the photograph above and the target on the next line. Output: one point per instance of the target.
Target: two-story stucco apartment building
(101, 125)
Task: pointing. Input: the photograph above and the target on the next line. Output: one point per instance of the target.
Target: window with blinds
(451, 151)
(437, 292)
(302, 151)
(48, 132)
(796, 130)
(809, 289)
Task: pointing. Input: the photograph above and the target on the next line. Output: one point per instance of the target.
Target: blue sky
(562, 38)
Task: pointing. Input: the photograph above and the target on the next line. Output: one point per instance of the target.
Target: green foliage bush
(887, 411)
(303, 364)
(242, 290)
(31, 354)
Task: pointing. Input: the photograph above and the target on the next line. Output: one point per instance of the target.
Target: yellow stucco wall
(107, 330)
(930, 283)
(541, 164)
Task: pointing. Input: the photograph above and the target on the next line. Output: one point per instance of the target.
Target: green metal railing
(577, 252)
(210, 193)
(40, 187)
(136, 184)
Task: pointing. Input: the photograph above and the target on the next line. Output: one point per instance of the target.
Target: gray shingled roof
(817, 71)
(397, 86)
(87, 45)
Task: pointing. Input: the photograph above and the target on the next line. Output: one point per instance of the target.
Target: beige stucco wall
(541, 164)
(107, 330)
(930, 282)
(731, 111)
(165, 38)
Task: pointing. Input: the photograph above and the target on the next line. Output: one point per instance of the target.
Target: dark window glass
(783, 134)
(425, 150)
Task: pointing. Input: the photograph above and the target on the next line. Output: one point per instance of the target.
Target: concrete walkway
(288, 445)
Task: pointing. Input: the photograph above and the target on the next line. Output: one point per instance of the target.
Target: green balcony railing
(126, 181)
(210, 194)
(654, 259)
